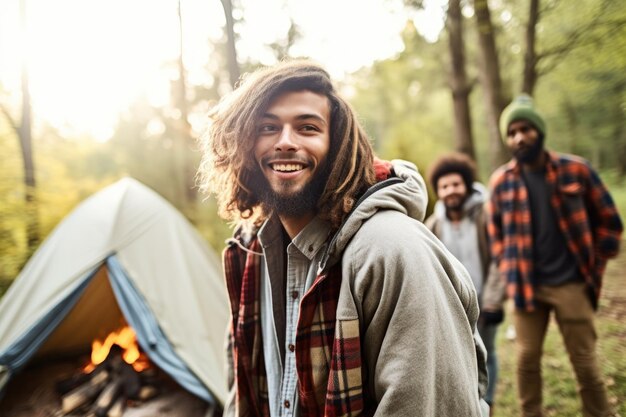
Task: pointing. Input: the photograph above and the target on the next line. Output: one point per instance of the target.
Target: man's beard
(531, 154)
(457, 205)
(294, 204)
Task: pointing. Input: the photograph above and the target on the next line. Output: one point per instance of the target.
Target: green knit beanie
(522, 108)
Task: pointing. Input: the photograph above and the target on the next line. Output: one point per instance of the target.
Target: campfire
(117, 376)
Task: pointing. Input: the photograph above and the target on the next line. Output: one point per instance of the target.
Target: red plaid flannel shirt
(585, 213)
(328, 357)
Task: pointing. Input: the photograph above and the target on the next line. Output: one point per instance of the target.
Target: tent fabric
(149, 335)
(156, 252)
(15, 356)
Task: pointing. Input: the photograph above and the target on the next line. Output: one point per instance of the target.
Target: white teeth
(287, 167)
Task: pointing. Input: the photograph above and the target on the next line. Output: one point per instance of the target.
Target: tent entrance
(95, 315)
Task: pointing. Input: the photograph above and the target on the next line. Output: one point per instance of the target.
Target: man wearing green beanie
(552, 227)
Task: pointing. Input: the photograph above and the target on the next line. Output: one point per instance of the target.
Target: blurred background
(94, 91)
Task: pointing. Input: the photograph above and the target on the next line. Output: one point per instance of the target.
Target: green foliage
(148, 147)
(204, 216)
(588, 115)
(67, 172)
(582, 72)
(403, 103)
(13, 248)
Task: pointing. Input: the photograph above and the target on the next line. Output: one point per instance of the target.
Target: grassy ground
(560, 395)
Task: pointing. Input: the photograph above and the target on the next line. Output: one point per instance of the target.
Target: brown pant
(574, 315)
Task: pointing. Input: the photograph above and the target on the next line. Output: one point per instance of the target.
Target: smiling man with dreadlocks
(343, 303)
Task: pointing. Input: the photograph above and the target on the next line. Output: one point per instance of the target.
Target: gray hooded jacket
(413, 303)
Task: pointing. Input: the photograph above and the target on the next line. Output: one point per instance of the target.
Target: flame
(124, 338)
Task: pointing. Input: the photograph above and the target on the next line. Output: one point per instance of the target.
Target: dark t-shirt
(553, 262)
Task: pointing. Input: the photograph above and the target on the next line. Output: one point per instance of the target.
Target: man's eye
(309, 128)
(267, 128)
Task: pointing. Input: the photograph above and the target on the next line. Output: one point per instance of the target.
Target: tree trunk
(569, 111)
(458, 81)
(530, 57)
(231, 51)
(491, 81)
(184, 169)
(24, 132)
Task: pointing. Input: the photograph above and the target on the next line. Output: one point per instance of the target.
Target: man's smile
(291, 167)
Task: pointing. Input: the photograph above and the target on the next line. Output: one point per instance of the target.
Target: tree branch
(549, 7)
(556, 55)
(579, 38)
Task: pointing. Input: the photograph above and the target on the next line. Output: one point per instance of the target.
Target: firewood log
(108, 395)
(65, 385)
(84, 393)
(117, 409)
(147, 392)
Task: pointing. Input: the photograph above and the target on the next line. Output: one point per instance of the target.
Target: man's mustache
(284, 157)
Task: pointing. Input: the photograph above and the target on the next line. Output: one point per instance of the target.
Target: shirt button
(310, 248)
(292, 347)
(294, 295)
(286, 403)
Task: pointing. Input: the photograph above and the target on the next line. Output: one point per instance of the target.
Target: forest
(433, 96)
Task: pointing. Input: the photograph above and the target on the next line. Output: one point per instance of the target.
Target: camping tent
(124, 254)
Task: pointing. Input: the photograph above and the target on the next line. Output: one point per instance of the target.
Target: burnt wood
(131, 381)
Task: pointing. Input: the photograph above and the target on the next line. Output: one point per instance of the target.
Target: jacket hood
(405, 191)
(477, 198)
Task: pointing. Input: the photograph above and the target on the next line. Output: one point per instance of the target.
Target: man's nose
(286, 140)
(519, 137)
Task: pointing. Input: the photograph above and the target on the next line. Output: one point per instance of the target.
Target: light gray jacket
(413, 304)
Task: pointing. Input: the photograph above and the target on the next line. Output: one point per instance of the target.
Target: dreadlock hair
(453, 163)
(228, 161)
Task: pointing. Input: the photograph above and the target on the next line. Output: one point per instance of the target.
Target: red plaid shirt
(328, 357)
(585, 213)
